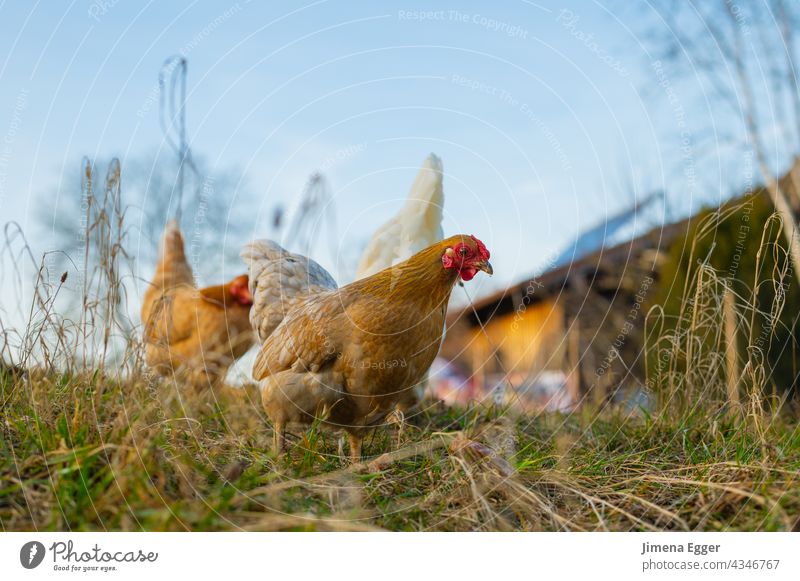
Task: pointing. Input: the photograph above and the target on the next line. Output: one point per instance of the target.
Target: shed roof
(554, 280)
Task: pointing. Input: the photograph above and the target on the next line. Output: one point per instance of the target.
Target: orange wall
(530, 339)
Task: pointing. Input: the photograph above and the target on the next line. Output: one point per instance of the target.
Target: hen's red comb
(484, 252)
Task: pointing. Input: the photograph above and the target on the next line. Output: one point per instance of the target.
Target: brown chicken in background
(196, 333)
(347, 356)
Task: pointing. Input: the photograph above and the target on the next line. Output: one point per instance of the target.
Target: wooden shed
(582, 318)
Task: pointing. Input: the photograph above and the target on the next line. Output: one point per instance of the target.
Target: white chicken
(417, 225)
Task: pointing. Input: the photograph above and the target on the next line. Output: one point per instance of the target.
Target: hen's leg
(398, 418)
(355, 448)
(279, 438)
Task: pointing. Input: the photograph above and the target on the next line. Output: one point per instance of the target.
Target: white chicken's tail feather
(427, 194)
(416, 226)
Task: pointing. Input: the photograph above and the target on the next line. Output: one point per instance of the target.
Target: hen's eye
(463, 251)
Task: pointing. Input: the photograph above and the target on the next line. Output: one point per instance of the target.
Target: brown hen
(347, 356)
(197, 333)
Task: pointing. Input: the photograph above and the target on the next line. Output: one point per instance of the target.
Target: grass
(90, 453)
(90, 440)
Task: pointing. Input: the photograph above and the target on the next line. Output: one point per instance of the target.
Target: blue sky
(548, 116)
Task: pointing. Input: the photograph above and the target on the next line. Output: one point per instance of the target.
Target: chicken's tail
(173, 268)
(259, 254)
(423, 212)
(427, 191)
(417, 226)
(278, 277)
(265, 258)
(172, 242)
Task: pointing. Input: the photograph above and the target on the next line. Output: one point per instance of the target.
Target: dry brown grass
(92, 441)
(87, 452)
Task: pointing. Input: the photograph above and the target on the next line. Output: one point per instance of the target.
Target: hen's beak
(485, 267)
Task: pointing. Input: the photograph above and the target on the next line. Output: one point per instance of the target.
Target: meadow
(86, 452)
(91, 440)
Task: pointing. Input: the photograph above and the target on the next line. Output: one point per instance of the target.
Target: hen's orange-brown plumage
(347, 356)
(196, 332)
